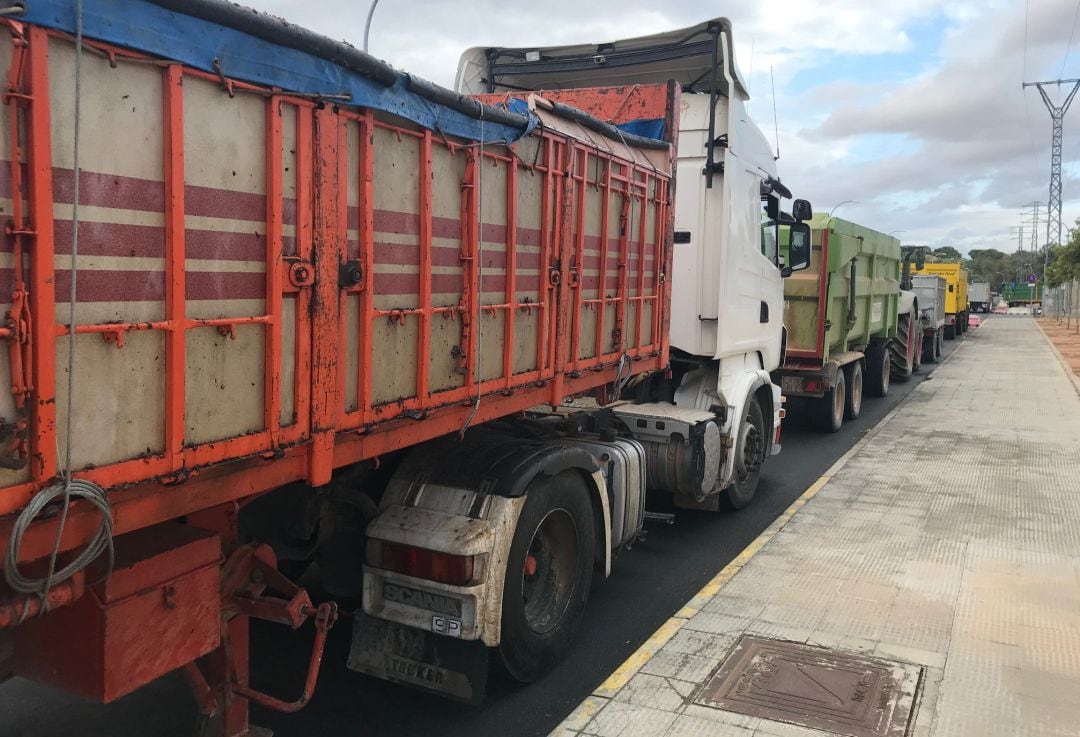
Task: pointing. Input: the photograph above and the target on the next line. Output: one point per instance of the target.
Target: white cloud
(975, 159)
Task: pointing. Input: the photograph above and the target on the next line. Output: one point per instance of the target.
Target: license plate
(791, 384)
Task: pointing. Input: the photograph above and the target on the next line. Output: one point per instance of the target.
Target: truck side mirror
(920, 261)
(798, 245)
(801, 210)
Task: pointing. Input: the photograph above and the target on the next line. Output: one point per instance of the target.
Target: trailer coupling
(248, 574)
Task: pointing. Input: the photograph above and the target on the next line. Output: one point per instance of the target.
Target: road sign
(1031, 278)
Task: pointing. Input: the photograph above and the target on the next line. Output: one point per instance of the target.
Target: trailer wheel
(929, 348)
(752, 449)
(548, 574)
(939, 341)
(878, 370)
(950, 332)
(853, 399)
(827, 413)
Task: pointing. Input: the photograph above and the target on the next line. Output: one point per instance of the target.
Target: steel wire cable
(68, 487)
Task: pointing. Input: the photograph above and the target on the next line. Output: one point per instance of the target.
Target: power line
(1072, 35)
(1023, 92)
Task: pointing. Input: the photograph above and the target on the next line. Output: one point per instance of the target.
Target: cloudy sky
(913, 108)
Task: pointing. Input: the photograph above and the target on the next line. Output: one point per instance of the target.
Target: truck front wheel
(752, 448)
(548, 574)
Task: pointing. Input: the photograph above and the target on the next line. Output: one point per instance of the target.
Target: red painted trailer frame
(319, 269)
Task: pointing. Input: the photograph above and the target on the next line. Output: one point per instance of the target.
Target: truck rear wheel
(929, 348)
(853, 399)
(753, 445)
(827, 413)
(950, 332)
(878, 370)
(548, 574)
(939, 341)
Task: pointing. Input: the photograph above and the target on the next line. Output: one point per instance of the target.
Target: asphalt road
(648, 584)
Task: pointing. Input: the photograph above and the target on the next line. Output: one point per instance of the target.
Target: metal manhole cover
(813, 687)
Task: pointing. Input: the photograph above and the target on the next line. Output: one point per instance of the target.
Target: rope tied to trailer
(479, 278)
(67, 488)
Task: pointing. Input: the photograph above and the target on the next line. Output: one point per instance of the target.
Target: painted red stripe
(225, 246)
(206, 285)
(224, 203)
(149, 286)
(409, 284)
(108, 239)
(109, 190)
(112, 286)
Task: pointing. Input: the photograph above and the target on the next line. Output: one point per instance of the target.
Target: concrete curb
(1061, 359)
(629, 667)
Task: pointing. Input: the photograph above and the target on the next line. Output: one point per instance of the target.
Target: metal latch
(301, 274)
(350, 273)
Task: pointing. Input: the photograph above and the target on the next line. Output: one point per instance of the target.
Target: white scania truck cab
(727, 308)
(485, 546)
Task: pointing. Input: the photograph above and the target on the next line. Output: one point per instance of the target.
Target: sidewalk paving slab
(949, 540)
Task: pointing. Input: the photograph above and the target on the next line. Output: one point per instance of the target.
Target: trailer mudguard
(464, 497)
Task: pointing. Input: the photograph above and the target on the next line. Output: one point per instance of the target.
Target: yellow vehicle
(956, 296)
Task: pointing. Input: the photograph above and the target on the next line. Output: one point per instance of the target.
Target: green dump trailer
(1022, 293)
(841, 316)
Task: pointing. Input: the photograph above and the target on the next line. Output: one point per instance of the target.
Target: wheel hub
(547, 576)
(750, 462)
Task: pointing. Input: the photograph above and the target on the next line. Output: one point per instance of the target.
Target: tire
(754, 442)
(929, 349)
(902, 350)
(853, 377)
(827, 413)
(950, 332)
(542, 609)
(878, 370)
(939, 348)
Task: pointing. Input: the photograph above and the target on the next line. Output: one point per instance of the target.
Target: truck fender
(504, 537)
(455, 514)
(907, 301)
(741, 388)
(731, 383)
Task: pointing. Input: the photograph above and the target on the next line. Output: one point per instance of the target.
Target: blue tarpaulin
(145, 27)
(644, 128)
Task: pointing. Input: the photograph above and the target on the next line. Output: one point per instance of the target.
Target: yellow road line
(621, 675)
(667, 630)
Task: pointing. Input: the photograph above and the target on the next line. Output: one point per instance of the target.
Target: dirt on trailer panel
(1066, 338)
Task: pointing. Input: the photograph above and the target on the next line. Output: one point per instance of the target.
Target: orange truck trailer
(271, 301)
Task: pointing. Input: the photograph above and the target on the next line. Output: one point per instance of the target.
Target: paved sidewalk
(949, 540)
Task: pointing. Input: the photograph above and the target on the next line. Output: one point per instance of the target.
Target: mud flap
(457, 669)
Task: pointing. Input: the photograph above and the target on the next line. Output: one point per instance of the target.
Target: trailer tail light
(456, 570)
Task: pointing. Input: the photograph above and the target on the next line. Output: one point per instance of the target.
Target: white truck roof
(685, 55)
